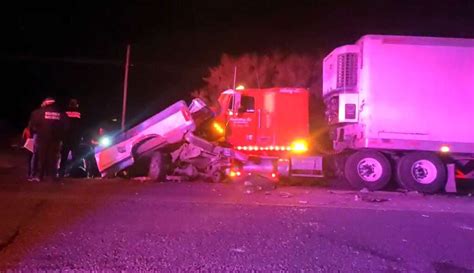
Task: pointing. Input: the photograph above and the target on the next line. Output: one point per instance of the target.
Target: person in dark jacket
(47, 123)
(72, 138)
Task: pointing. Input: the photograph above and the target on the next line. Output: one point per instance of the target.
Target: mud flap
(306, 166)
(451, 181)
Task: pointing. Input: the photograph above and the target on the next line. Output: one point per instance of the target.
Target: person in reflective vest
(72, 138)
(47, 123)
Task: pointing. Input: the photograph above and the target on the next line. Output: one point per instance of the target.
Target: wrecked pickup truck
(166, 144)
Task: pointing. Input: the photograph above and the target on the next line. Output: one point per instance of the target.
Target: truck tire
(157, 167)
(422, 171)
(368, 169)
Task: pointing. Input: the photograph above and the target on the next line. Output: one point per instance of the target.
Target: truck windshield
(247, 104)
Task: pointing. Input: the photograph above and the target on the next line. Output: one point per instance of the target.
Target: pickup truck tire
(368, 169)
(217, 177)
(422, 171)
(157, 167)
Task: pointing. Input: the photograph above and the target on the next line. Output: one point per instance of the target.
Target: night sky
(77, 48)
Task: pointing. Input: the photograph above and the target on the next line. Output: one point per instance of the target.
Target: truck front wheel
(422, 171)
(368, 169)
(157, 167)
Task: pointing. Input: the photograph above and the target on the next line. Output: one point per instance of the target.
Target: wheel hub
(369, 169)
(424, 171)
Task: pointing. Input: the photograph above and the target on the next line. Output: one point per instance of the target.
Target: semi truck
(398, 108)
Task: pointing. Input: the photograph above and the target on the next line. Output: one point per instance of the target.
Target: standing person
(48, 124)
(72, 138)
(31, 162)
(92, 169)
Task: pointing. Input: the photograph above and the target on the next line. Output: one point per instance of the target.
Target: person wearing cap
(47, 123)
(72, 138)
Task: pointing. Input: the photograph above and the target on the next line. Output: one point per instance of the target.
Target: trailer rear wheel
(422, 171)
(368, 169)
(157, 167)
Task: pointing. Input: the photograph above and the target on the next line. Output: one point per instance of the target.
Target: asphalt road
(142, 226)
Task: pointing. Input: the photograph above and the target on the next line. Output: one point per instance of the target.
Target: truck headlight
(299, 146)
(218, 128)
(105, 141)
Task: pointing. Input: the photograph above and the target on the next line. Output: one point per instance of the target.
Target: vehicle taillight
(186, 114)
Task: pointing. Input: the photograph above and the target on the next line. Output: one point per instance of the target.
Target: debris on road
(142, 178)
(340, 192)
(466, 227)
(414, 193)
(285, 194)
(238, 250)
(174, 178)
(364, 190)
(375, 199)
(370, 199)
(257, 185)
(303, 202)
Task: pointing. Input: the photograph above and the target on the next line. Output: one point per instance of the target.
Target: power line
(91, 61)
(62, 60)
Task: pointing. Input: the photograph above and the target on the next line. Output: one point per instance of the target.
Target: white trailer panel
(415, 93)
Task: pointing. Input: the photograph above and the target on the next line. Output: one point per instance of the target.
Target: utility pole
(233, 88)
(125, 86)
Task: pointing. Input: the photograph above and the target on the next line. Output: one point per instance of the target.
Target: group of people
(56, 134)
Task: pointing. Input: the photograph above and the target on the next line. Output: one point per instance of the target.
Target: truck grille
(346, 70)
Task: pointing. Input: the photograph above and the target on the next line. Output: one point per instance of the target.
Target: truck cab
(257, 120)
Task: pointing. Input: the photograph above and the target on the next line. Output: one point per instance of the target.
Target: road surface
(239, 227)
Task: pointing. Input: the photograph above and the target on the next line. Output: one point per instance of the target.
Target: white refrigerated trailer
(401, 107)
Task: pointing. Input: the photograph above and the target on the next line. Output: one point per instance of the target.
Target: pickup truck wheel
(368, 169)
(422, 171)
(157, 167)
(217, 177)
